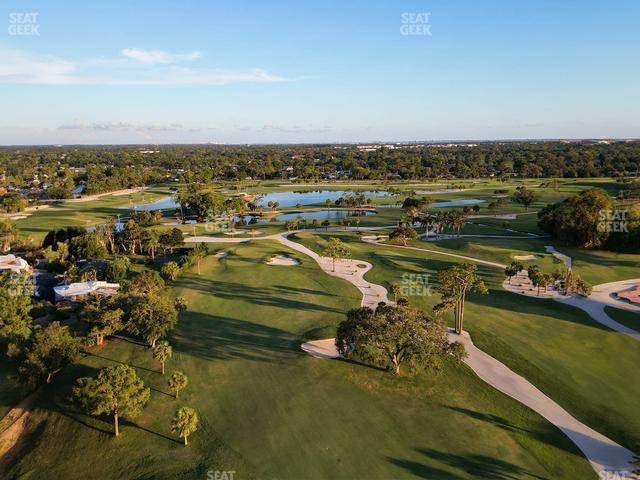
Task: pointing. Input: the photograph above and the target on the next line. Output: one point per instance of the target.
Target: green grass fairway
(84, 214)
(268, 410)
(560, 349)
(625, 317)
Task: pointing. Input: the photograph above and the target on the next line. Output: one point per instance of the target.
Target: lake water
(452, 203)
(291, 199)
(165, 203)
(457, 203)
(319, 215)
(285, 199)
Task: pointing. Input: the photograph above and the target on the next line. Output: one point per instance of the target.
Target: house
(77, 292)
(13, 263)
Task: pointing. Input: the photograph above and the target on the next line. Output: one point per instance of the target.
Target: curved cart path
(605, 456)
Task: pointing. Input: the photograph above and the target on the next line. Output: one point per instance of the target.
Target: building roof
(84, 288)
(11, 262)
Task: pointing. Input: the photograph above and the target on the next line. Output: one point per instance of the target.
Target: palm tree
(199, 252)
(455, 283)
(170, 270)
(152, 242)
(412, 215)
(184, 423)
(439, 222)
(395, 291)
(178, 382)
(426, 222)
(162, 351)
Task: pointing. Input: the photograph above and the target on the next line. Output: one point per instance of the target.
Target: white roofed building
(77, 292)
(16, 264)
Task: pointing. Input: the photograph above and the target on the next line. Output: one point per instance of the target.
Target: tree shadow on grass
(262, 296)
(549, 434)
(129, 423)
(213, 337)
(137, 367)
(553, 310)
(161, 392)
(474, 465)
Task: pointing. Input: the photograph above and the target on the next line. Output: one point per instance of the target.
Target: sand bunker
(321, 348)
(283, 261)
(221, 254)
(527, 257)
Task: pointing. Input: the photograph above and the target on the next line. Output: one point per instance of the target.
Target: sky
(317, 71)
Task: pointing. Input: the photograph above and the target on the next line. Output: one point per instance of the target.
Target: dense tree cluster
(113, 167)
(591, 220)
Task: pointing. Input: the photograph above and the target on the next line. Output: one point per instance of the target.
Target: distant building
(13, 263)
(77, 292)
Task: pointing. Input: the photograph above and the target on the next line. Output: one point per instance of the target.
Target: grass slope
(269, 410)
(560, 349)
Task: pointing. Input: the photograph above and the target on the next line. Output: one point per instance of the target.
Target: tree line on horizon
(104, 168)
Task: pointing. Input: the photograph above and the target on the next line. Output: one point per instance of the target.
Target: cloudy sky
(317, 71)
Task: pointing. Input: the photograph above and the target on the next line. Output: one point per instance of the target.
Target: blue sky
(317, 71)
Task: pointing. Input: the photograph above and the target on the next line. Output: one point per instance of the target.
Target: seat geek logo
(613, 221)
(24, 24)
(417, 24)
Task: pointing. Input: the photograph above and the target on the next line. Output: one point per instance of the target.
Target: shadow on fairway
(273, 296)
(214, 337)
(540, 435)
(476, 466)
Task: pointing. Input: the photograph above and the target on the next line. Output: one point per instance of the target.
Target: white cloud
(131, 127)
(141, 67)
(152, 57)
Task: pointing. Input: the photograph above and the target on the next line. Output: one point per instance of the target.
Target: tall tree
(524, 196)
(404, 232)
(116, 391)
(184, 423)
(336, 250)
(393, 335)
(161, 352)
(199, 252)
(15, 307)
(455, 282)
(106, 318)
(512, 269)
(152, 316)
(131, 236)
(51, 349)
(178, 382)
(170, 270)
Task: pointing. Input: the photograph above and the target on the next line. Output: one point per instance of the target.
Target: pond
(285, 199)
(165, 203)
(319, 215)
(291, 199)
(457, 203)
(452, 203)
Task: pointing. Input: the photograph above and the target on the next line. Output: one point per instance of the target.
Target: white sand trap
(527, 257)
(18, 217)
(232, 233)
(221, 254)
(283, 261)
(322, 348)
